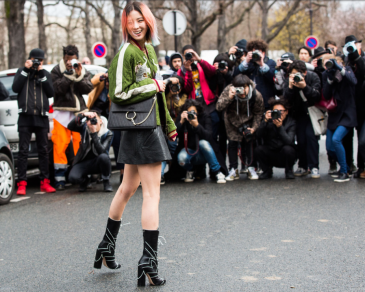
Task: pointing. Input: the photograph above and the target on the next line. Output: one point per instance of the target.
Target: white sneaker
(252, 173)
(189, 176)
(315, 173)
(220, 178)
(233, 174)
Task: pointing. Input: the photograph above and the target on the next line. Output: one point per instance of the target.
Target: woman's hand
(184, 116)
(161, 85)
(267, 116)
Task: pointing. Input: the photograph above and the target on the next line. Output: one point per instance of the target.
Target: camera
(93, 120)
(240, 90)
(350, 49)
(298, 77)
(320, 63)
(188, 56)
(284, 65)
(36, 64)
(104, 78)
(175, 88)
(191, 115)
(75, 63)
(256, 56)
(329, 64)
(239, 53)
(222, 65)
(246, 132)
(275, 114)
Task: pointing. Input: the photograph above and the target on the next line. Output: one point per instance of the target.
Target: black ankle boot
(106, 248)
(107, 186)
(148, 265)
(84, 184)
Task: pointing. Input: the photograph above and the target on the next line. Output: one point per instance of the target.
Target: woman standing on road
(134, 77)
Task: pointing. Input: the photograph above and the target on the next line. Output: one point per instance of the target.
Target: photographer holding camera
(339, 82)
(34, 86)
(243, 107)
(195, 145)
(303, 89)
(260, 69)
(71, 81)
(317, 61)
(93, 154)
(238, 53)
(183, 69)
(281, 72)
(277, 131)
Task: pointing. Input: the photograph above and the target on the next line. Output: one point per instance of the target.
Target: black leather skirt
(143, 147)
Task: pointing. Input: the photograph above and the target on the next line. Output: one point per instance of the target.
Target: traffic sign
(99, 50)
(174, 22)
(311, 42)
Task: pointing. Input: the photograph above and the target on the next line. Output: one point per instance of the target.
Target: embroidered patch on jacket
(142, 71)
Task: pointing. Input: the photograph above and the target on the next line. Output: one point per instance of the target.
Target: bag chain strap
(132, 119)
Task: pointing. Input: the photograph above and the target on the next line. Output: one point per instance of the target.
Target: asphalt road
(276, 235)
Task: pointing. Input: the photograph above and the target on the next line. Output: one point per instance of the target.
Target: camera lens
(188, 56)
(350, 49)
(329, 64)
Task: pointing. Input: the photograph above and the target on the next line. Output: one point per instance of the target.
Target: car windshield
(8, 83)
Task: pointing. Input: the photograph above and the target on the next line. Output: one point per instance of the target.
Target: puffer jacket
(100, 141)
(69, 89)
(234, 121)
(33, 88)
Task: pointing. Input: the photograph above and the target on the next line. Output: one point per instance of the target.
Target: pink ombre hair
(152, 34)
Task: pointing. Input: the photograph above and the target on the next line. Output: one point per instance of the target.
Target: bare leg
(125, 191)
(150, 175)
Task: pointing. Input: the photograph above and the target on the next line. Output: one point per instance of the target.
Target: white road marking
(19, 199)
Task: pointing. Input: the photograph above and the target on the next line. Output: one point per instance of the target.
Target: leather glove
(331, 74)
(336, 65)
(354, 55)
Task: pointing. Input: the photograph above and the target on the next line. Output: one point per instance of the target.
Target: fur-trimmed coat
(69, 89)
(233, 121)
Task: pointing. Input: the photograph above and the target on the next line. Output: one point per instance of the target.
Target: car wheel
(7, 179)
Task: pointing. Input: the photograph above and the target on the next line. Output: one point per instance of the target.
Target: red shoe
(22, 188)
(46, 187)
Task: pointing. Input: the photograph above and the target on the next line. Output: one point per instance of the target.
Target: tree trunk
(264, 15)
(222, 33)
(15, 22)
(195, 41)
(116, 28)
(87, 32)
(42, 38)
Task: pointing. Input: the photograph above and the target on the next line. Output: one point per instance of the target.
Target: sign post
(311, 42)
(99, 51)
(174, 22)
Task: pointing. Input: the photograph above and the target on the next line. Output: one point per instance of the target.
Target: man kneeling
(93, 154)
(277, 131)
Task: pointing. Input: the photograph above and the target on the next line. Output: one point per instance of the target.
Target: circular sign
(99, 50)
(169, 22)
(311, 42)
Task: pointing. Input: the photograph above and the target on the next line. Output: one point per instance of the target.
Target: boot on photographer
(243, 106)
(93, 154)
(277, 131)
(195, 145)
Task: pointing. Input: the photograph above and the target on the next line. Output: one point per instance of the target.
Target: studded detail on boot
(106, 248)
(148, 265)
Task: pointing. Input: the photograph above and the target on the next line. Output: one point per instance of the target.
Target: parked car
(9, 113)
(7, 177)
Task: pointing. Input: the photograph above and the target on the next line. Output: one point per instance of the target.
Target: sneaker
(343, 177)
(189, 176)
(265, 175)
(233, 174)
(46, 186)
(333, 167)
(335, 174)
(259, 171)
(60, 186)
(244, 169)
(315, 173)
(252, 173)
(220, 178)
(162, 180)
(22, 188)
(301, 172)
(289, 174)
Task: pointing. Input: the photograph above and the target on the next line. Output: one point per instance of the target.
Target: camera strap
(186, 142)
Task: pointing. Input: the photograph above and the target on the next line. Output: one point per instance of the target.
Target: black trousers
(283, 158)
(100, 164)
(25, 134)
(246, 153)
(308, 146)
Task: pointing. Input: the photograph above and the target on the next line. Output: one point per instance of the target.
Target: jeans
(100, 164)
(282, 158)
(361, 146)
(335, 148)
(172, 148)
(308, 146)
(25, 134)
(205, 155)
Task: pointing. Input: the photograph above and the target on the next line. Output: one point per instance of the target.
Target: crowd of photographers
(260, 112)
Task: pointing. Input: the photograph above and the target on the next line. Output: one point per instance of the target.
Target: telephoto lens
(329, 64)
(350, 49)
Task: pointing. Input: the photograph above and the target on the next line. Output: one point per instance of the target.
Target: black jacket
(33, 88)
(344, 93)
(275, 137)
(312, 93)
(357, 64)
(4, 93)
(99, 145)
